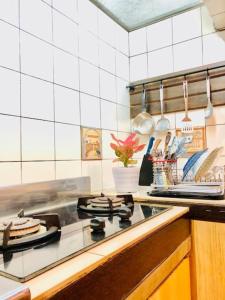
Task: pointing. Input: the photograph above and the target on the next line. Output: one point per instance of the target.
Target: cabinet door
(176, 286)
(208, 260)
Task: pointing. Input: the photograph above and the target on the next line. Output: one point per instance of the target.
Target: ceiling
(133, 14)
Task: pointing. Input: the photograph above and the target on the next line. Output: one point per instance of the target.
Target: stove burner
(105, 205)
(21, 231)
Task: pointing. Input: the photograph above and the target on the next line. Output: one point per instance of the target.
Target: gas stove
(33, 243)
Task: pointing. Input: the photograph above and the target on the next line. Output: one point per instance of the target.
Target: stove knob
(125, 214)
(97, 224)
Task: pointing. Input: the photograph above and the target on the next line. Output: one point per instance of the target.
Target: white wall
(63, 64)
(184, 41)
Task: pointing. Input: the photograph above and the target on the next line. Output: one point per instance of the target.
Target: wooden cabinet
(208, 260)
(176, 286)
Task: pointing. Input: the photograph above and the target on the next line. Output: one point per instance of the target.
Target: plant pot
(126, 179)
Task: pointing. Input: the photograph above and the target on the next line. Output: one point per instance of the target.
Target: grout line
(21, 146)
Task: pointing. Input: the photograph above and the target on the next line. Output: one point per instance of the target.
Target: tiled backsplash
(181, 42)
(63, 64)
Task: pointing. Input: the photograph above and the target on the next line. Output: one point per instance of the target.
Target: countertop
(48, 283)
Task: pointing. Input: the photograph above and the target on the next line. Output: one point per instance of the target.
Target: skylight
(133, 14)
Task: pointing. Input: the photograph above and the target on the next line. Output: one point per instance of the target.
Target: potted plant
(126, 177)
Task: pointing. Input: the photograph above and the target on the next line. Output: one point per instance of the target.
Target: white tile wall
(9, 92)
(90, 52)
(36, 98)
(9, 11)
(187, 25)
(159, 34)
(67, 141)
(184, 41)
(160, 62)
(107, 86)
(67, 105)
(38, 171)
(107, 57)
(89, 78)
(88, 15)
(70, 9)
(30, 12)
(10, 173)
(138, 42)
(107, 28)
(188, 54)
(90, 111)
(108, 115)
(9, 50)
(68, 169)
(65, 33)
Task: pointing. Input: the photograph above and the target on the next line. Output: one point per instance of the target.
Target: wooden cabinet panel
(176, 286)
(208, 260)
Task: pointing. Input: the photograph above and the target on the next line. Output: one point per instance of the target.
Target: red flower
(125, 150)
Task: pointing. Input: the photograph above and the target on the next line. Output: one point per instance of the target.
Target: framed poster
(91, 143)
(198, 142)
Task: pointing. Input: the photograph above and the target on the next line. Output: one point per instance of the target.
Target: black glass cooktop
(75, 237)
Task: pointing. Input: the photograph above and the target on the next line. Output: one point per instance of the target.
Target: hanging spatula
(186, 122)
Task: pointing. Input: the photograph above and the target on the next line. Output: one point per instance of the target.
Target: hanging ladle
(209, 108)
(143, 123)
(163, 124)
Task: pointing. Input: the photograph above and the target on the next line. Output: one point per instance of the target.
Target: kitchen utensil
(209, 108)
(191, 161)
(143, 123)
(163, 123)
(167, 140)
(146, 171)
(187, 122)
(207, 163)
(156, 144)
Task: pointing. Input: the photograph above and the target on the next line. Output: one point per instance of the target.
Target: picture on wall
(91, 143)
(198, 142)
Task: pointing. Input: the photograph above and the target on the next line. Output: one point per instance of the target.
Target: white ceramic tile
(66, 69)
(36, 57)
(10, 138)
(215, 137)
(197, 117)
(30, 14)
(217, 117)
(138, 41)
(138, 67)
(107, 86)
(37, 140)
(88, 15)
(160, 62)
(213, 48)
(159, 34)
(88, 46)
(123, 96)
(89, 78)
(122, 66)
(67, 141)
(108, 115)
(107, 28)
(94, 170)
(188, 54)
(38, 171)
(187, 25)
(123, 115)
(207, 21)
(107, 151)
(90, 111)
(68, 8)
(107, 57)
(9, 50)
(68, 169)
(9, 92)
(10, 173)
(9, 11)
(122, 40)
(36, 98)
(107, 176)
(65, 33)
(67, 105)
